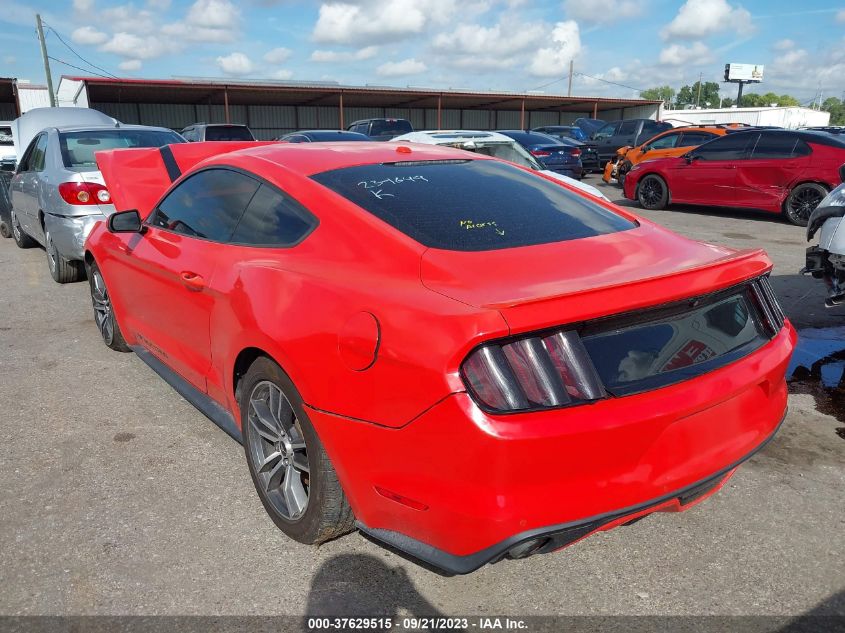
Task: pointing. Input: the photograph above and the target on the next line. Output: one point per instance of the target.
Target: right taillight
(84, 193)
(534, 372)
(540, 153)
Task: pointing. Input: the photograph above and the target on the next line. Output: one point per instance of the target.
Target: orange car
(675, 142)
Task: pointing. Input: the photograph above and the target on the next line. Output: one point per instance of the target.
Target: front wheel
(802, 201)
(104, 312)
(653, 193)
(21, 239)
(290, 469)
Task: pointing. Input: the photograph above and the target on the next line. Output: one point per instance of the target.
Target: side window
(628, 128)
(776, 146)
(664, 142)
(607, 131)
(691, 139)
(650, 128)
(273, 219)
(39, 153)
(207, 205)
(730, 147)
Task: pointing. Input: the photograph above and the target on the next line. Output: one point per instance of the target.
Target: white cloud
(783, 45)
(476, 39)
(679, 55)
(185, 32)
(159, 5)
(372, 21)
(130, 65)
(277, 55)
(554, 60)
(83, 6)
(89, 36)
(213, 14)
(138, 47)
(281, 74)
(344, 56)
(601, 11)
(126, 18)
(697, 19)
(235, 64)
(398, 69)
(10, 59)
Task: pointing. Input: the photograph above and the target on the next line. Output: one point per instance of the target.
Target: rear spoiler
(137, 178)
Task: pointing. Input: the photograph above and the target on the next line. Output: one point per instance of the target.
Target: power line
(70, 48)
(553, 81)
(85, 70)
(610, 82)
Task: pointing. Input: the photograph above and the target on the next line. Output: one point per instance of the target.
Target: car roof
(442, 137)
(808, 136)
(95, 128)
(308, 159)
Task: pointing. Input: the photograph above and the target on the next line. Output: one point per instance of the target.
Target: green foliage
(836, 107)
(660, 93)
(688, 95)
(753, 100)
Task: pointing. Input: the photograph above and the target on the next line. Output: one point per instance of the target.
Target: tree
(836, 108)
(660, 93)
(727, 102)
(688, 95)
(754, 100)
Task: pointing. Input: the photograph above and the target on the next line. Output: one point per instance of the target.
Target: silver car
(58, 194)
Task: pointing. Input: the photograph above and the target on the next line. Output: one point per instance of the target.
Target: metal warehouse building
(9, 106)
(275, 108)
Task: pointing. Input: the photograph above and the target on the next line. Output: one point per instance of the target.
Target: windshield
(228, 133)
(5, 135)
(510, 151)
(78, 148)
(471, 205)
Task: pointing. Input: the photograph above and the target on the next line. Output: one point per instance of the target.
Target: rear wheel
(104, 312)
(802, 201)
(21, 239)
(653, 192)
(62, 270)
(290, 469)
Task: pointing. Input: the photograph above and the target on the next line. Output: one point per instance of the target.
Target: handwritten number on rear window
(376, 187)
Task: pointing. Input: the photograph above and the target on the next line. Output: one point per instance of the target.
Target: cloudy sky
(619, 46)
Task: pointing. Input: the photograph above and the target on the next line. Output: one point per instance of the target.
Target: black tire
(326, 514)
(104, 317)
(802, 201)
(21, 239)
(622, 172)
(63, 271)
(652, 193)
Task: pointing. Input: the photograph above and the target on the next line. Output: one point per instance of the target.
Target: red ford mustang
(781, 171)
(462, 359)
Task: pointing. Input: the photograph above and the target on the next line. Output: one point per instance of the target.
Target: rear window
(471, 205)
(78, 148)
(228, 133)
(390, 126)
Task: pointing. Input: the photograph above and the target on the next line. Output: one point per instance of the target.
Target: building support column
(341, 110)
(226, 103)
(522, 115)
(596, 110)
(439, 112)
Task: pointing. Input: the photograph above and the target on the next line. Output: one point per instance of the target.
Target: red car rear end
(494, 364)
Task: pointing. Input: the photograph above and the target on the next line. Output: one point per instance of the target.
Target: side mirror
(842, 173)
(644, 149)
(690, 158)
(125, 222)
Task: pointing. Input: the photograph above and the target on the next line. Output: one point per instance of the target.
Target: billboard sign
(744, 72)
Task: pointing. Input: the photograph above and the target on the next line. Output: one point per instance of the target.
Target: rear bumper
(573, 171)
(464, 488)
(69, 232)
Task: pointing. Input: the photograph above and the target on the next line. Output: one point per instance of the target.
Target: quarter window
(273, 219)
(778, 146)
(206, 205)
(38, 156)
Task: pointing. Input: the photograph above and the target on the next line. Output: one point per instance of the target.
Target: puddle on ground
(818, 368)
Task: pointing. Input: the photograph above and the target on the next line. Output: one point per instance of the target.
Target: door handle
(192, 281)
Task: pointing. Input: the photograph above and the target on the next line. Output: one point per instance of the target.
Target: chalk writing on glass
(472, 224)
(376, 187)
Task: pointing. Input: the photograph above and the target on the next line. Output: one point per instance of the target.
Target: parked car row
(345, 309)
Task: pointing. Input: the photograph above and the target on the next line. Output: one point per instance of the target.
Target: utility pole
(46, 60)
(571, 70)
(698, 97)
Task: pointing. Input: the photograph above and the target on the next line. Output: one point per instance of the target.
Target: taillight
(535, 372)
(539, 153)
(768, 305)
(84, 193)
(575, 153)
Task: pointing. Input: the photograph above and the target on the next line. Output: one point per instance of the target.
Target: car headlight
(835, 198)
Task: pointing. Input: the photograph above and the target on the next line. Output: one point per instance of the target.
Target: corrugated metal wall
(268, 122)
(8, 111)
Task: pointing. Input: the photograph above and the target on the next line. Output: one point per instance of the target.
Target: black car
(217, 132)
(616, 134)
(322, 136)
(381, 129)
(562, 156)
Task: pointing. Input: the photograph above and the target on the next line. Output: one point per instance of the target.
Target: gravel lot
(117, 497)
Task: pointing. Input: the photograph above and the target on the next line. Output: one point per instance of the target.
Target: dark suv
(217, 132)
(606, 140)
(381, 129)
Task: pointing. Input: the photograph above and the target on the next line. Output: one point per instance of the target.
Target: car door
(775, 161)
(659, 147)
(708, 175)
(25, 185)
(163, 274)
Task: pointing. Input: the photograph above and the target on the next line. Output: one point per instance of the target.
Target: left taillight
(85, 193)
(575, 153)
(533, 372)
(540, 153)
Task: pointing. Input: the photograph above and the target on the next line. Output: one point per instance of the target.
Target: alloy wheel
(802, 203)
(103, 315)
(278, 451)
(651, 191)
